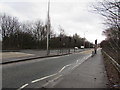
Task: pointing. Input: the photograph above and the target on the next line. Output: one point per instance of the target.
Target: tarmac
(24, 55)
(90, 74)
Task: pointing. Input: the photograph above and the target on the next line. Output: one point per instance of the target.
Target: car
(76, 48)
(82, 47)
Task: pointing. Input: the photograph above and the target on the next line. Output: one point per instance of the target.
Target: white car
(76, 48)
(82, 47)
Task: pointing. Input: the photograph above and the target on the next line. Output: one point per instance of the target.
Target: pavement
(90, 74)
(23, 55)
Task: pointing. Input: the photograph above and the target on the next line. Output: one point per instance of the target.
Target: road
(9, 56)
(17, 74)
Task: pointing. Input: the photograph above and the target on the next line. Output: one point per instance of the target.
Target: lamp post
(48, 29)
(84, 39)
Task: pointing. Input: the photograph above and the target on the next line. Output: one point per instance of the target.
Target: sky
(74, 16)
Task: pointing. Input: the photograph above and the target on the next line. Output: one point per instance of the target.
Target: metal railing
(116, 65)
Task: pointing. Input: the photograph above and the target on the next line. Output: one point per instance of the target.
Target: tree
(9, 25)
(110, 9)
(39, 30)
(62, 32)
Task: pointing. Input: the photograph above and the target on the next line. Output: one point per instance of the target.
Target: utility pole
(48, 28)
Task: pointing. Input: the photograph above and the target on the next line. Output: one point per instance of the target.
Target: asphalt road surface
(17, 74)
(9, 56)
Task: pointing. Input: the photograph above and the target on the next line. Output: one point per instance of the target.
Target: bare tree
(39, 30)
(62, 32)
(110, 9)
(9, 25)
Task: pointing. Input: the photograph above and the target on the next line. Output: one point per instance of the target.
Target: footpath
(90, 74)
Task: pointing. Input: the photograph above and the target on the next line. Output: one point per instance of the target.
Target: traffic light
(96, 41)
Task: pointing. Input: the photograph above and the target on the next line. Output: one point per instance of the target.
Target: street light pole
(84, 38)
(48, 28)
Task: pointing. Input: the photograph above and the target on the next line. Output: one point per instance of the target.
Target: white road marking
(50, 75)
(23, 86)
(55, 73)
(84, 59)
(43, 78)
(64, 67)
(34, 81)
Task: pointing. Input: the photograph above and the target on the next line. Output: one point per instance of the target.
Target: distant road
(9, 56)
(17, 74)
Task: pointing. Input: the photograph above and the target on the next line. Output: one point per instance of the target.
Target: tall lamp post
(84, 38)
(48, 28)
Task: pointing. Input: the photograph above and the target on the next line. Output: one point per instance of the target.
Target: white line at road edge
(34, 81)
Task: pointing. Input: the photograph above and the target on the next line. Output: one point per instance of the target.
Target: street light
(48, 28)
(84, 38)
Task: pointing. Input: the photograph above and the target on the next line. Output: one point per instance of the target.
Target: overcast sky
(72, 15)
